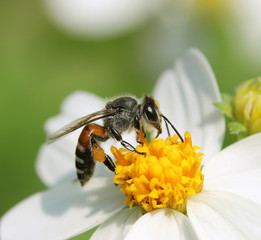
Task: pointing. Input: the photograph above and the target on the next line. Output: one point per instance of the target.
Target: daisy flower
(177, 19)
(100, 19)
(245, 24)
(226, 205)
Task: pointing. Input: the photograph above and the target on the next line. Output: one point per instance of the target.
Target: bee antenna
(167, 126)
(166, 120)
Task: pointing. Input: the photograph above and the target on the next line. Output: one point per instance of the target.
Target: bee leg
(125, 144)
(141, 137)
(130, 147)
(109, 163)
(99, 154)
(140, 134)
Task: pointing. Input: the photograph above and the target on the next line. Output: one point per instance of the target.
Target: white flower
(227, 208)
(177, 19)
(207, 25)
(100, 19)
(245, 25)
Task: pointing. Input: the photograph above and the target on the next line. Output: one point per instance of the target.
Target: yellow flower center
(164, 178)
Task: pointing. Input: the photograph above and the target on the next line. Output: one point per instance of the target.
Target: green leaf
(84, 236)
(225, 106)
(227, 98)
(237, 128)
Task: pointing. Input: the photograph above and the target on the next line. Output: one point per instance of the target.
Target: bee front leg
(125, 144)
(141, 137)
(140, 134)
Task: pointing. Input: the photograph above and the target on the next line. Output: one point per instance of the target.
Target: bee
(119, 115)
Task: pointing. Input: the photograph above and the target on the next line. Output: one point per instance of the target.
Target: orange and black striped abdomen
(88, 151)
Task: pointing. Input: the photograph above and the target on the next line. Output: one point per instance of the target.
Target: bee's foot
(141, 143)
(141, 153)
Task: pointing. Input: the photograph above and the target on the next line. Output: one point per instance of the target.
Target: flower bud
(247, 105)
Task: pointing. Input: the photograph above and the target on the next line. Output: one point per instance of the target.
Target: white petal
(237, 169)
(62, 212)
(223, 215)
(55, 165)
(99, 19)
(81, 103)
(186, 96)
(55, 162)
(247, 27)
(77, 104)
(162, 224)
(117, 226)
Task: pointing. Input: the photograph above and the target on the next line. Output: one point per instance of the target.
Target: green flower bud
(247, 105)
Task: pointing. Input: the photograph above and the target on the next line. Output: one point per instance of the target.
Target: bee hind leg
(109, 163)
(100, 156)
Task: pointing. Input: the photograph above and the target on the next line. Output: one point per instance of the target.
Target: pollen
(165, 177)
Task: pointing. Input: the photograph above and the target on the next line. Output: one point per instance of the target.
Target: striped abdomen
(88, 151)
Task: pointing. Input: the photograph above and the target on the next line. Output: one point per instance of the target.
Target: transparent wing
(80, 122)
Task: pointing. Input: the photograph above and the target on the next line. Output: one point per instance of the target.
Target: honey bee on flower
(218, 200)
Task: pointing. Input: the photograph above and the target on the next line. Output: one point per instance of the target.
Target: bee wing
(81, 122)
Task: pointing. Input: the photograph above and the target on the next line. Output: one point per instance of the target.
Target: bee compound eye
(150, 112)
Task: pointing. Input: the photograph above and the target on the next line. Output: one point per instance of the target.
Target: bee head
(151, 113)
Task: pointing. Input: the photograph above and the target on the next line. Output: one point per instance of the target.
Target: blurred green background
(40, 65)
